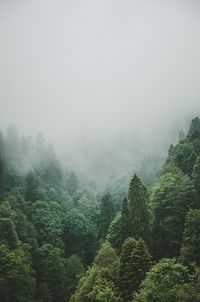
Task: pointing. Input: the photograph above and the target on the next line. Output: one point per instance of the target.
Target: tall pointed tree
(139, 217)
(124, 222)
(135, 261)
(106, 215)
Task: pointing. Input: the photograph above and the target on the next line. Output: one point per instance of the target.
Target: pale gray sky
(84, 71)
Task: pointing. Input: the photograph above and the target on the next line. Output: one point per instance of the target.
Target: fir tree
(124, 222)
(106, 215)
(191, 239)
(135, 261)
(138, 210)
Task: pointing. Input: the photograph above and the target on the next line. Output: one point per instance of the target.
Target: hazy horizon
(100, 78)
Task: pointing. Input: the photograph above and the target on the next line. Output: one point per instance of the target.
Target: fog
(108, 82)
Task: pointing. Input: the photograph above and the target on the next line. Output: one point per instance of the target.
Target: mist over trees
(63, 239)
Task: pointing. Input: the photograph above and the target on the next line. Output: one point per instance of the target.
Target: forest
(64, 239)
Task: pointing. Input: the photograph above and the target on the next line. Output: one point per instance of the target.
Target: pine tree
(138, 210)
(124, 222)
(106, 215)
(135, 261)
(191, 239)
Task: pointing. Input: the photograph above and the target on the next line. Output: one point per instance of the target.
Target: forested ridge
(63, 238)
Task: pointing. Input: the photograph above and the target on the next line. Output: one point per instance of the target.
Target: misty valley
(99, 151)
(66, 238)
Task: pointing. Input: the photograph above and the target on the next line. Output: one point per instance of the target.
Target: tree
(191, 239)
(12, 144)
(114, 233)
(196, 179)
(124, 225)
(100, 282)
(8, 233)
(106, 215)
(72, 183)
(135, 261)
(51, 274)
(74, 271)
(17, 282)
(167, 281)
(138, 210)
(194, 126)
(32, 187)
(171, 198)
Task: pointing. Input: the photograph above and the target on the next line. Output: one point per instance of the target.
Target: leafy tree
(99, 283)
(47, 220)
(167, 281)
(135, 261)
(106, 215)
(138, 210)
(17, 282)
(191, 239)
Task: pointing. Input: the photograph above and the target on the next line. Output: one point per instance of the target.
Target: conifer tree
(106, 215)
(124, 222)
(191, 239)
(138, 210)
(135, 261)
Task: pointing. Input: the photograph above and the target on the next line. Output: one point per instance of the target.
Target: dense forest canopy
(65, 239)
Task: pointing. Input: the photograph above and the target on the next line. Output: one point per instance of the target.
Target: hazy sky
(96, 71)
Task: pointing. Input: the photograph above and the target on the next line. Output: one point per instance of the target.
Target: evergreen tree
(74, 271)
(194, 126)
(171, 198)
(135, 261)
(125, 223)
(191, 239)
(167, 281)
(72, 184)
(32, 186)
(106, 215)
(138, 210)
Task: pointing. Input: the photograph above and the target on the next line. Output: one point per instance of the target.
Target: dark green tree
(135, 261)
(125, 222)
(191, 239)
(167, 281)
(106, 215)
(139, 216)
(51, 274)
(74, 271)
(171, 198)
(32, 187)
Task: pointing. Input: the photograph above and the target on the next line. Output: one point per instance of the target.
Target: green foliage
(99, 283)
(106, 215)
(51, 274)
(79, 236)
(114, 233)
(167, 281)
(139, 217)
(46, 218)
(191, 239)
(171, 198)
(75, 270)
(135, 261)
(17, 282)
